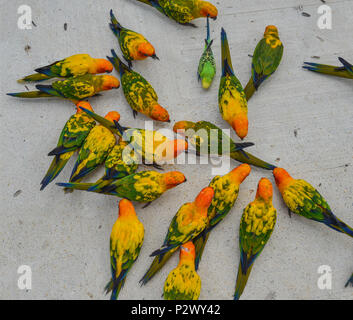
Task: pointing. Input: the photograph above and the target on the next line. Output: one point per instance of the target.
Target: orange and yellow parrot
(138, 92)
(231, 97)
(126, 241)
(74, 88)
(71, 138)
(226, 190)
(183, 283)
(266, 59)
(95, 149)
(190, 220)
(143, 186)
(76, 65)
(133, 45)
(184, 11)
(256, 226)
(302, 198)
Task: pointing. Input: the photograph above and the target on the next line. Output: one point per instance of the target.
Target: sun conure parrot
(190, 220)
(143, 186)
(76, 65)
(303, 199)
(184, 11)
(133, 45)
(95, 149)
(138, 92)
(207, 65)
(256, 226)
(266, 59)
(74, 89)
(349, 282)
(153, 147)
(346, 71)
(126, 241)
(232, 102)
(183, 283)
(71, 138)
(207, 138)
(226, 190)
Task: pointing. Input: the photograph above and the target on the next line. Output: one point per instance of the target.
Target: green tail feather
(327, 69)
(114, 289)
(200, 244)
(349, 282)
(242, 279)
(34, 77)
(249, 89)
(54, 170)
(156, 265)
(248, 158)
(76, 186)
(30, 94)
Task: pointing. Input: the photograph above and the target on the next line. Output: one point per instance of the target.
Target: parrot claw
(146, 205)
(134, 113)
(290, 213)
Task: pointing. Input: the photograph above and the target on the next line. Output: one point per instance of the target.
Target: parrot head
(110, 82)
(271, 30)
(240, 172)
(180, 145)
(204, 198)
(207, 9)
(187, 252)
(112, 116)
(282, 178)
(240, 126)
(147, 50)
(126, 208)
(83, 104)
(183, 125)
(158, 113)
(264, 189)
(173, 178)
(103, 66)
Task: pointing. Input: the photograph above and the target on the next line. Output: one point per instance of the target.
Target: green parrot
(346, 71)
(184, 11)
(266, 59)
(207, 64)
(71, 138)
(236, 149)
(256, 226)
(226, 193)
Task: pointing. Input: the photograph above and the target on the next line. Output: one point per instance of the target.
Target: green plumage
(346, 71)
(207, 65)
(71, 138)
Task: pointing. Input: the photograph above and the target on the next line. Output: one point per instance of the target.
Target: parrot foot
(134, 113)
(146, 205)
(189, 24)
(290, 213)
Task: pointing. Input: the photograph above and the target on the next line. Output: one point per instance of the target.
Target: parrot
(159, 149)
(74, 88)
(118, 165)
(256, 226)
(143, 186)
(76, 65)
(190, 220)
(207, 65)
(232, 102)
(184, 11)
(183, 283)
(203, 130)
(126, 241)
(302, 198)
(71, 138)
(95, 149)
(266, 59)
(350, 281)
(346, 71)
(133, 45)
(138, 92)
(226, 190)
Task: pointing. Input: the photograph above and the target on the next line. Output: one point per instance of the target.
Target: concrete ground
(298, 120)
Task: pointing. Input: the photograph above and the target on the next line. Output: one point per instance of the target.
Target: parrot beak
(155, 57)
(214, 18)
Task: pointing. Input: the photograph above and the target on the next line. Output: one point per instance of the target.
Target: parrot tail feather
(200, 243)
(226, 58)
(156, 265)
(249, 89)
(246, 157)
(327, 69)
(83, 172)
(77, 186)
(115, 286)
(347, 65)
(54, 170)
(48, 89)
(349, 282)
(333, 222)
(30, 94)
(34, 77)
(60, 150)
(208, 30)
(115, 24)
(164, 250)
(117, 63)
